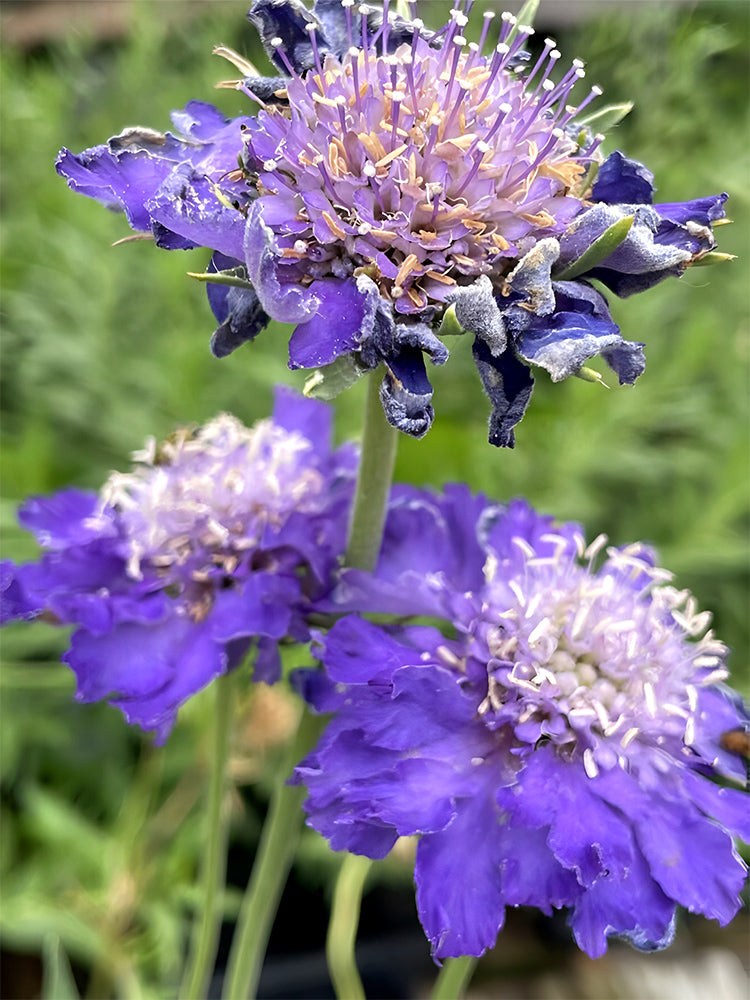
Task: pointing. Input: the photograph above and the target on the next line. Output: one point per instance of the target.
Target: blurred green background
(104, 345)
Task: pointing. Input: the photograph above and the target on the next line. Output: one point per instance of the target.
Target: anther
(595, 547)
(589, 764)
(278, 44)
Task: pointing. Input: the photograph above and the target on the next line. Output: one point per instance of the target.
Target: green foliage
(104, 345)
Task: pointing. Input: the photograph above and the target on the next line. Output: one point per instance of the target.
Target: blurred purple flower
(391, 173)
(560, 749)
(218, 539)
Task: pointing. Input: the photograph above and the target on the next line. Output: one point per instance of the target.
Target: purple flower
(394, 173)
(178, 187)
(560, 746)
(217, 540)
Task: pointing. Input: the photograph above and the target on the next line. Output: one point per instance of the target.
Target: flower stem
(379, 443)
(454, 978)
(213, 875)
(276, 850)
(342, 928)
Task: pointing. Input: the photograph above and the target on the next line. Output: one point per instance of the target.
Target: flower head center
(594, 660)
(424, 167)
(198, 502)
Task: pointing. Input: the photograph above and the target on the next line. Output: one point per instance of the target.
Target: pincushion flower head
(217, 539)
(562, 748)
(398, 183)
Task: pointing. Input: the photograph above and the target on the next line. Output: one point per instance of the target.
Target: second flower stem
(379, 443)
(454, 977)
(276, 850)
(206, 932)
(342, 928)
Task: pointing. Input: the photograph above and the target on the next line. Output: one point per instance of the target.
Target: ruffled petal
(147, 672)
(459, 890)
(703, 211)
(286, 302)
(508, 383)
(579, 328)
(336, 328)
(343, 646)
(478, 312)
(238, 310)
(260, 605)
(622, 180)
(406, 393)
(70, 517)
(629, 904)
(123, 174)
(186, 203)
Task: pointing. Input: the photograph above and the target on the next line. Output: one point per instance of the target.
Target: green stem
(379, 443)
(213, 876)
(273, 860)
(454, 978)
(342, 928)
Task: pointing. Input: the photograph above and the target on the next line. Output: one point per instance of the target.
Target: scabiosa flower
(394, 174)
(560, 749)
(217, 539)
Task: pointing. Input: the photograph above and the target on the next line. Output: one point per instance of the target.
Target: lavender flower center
(599, 663)
(422, 168)
(197, 503)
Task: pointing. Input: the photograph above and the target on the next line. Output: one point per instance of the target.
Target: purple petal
(187, 204)
(459, 891)
(519, 520)
(532, 875)
(622, 180)
(530, 281)
(244, 321)
(267, 661)
(257, 605)
(626, 360)
(204, 122)
(70, 517)
(309, 417)
(630, 904)
(728, 806)
(676, 841)
(125, 173)
(421, 336)
(288, 21)
(586, 228)
(509, 384)
(336, 328)
(238, 310)
(217, 293)
(585, 834)
(146, 672)
(15, 604)
(406, 393)
(578, 329)
(343, 646)
(284, 301)
(704, 211)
